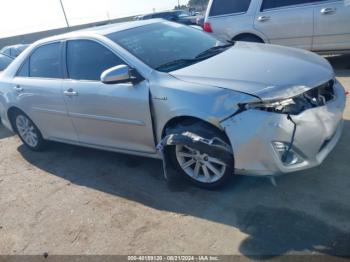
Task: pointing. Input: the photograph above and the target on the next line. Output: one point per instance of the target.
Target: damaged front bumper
(258, 138)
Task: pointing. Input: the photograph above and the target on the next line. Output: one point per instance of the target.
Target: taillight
(207, 27)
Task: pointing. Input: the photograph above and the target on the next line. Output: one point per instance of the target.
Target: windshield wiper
(185, 62)
(214, 50)
(177, 62)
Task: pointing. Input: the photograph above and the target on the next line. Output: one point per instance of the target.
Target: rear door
(115, 116)
(288, 22)
(332, 25)
(37, 86)
(228, 18)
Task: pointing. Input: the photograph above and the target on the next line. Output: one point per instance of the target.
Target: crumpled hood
(265, 71)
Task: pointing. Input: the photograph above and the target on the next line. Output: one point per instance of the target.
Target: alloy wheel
(200, 166)
(27, 131)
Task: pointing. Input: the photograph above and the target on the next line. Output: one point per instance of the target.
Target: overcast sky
(25, 16)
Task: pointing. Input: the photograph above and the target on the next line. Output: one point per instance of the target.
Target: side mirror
(120, 74)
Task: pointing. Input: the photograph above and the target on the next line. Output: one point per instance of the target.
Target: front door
(114, 116)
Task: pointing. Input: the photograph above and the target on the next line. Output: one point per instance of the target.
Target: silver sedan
(208, 109)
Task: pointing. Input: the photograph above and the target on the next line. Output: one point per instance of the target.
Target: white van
(316, 25)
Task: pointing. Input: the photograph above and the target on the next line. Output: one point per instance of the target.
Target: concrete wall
(32, 37)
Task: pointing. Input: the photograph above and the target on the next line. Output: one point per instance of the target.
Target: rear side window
(270, 4)
(224, 7)
(87, 60)
(4, 62)
(45, 62)
(6, 51)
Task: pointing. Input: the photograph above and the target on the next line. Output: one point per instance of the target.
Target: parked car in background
(5, 60)
(179, 16)
(13, 50)
(200, 21)
(161, 89)
(317, 25)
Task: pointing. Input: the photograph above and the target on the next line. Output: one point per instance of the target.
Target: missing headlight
(315, 97)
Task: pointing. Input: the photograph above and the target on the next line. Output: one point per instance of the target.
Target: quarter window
(24, 71)
(45, 62)
(87, 60)
(270, 4)
(223, 7)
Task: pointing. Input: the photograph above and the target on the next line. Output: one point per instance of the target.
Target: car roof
(102, 30)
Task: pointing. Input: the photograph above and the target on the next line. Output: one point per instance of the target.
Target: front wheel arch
(190, 120)
(175, 133)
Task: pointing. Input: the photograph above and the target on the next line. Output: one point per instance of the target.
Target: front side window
(168, 46)
(45, 62)
(224, 7)
(87, 60)
(270, 4)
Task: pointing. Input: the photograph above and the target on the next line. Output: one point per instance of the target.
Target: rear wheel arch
(248, 36)
(30, 134)
(11, 113)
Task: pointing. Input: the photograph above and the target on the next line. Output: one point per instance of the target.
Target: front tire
(28, 132)
(203, 169)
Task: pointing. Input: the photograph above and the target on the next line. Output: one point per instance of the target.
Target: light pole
(64, 13)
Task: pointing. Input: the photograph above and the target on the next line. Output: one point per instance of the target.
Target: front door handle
(328, 11)
(18, 88)
(263, 18)
(70, 92)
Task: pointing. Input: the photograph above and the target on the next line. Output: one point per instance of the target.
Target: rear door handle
(328, 11)
(70, 92)
(263, 18)
(18, 88)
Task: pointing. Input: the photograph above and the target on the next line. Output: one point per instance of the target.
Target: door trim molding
(108, 119)
(56, 112)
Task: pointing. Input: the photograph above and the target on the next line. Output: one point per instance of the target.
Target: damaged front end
(295, 105)
(277, 136)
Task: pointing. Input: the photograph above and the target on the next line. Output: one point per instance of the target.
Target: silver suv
(316, 25)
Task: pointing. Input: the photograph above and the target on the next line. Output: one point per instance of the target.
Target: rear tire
(203, 169)
(28, 131)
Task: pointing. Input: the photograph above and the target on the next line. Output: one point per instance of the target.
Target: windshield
(167, 46)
